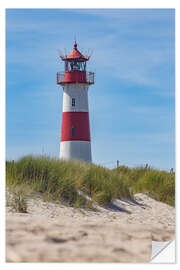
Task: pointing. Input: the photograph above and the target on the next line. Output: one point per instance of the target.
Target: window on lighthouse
(73, 102)
(73, 131)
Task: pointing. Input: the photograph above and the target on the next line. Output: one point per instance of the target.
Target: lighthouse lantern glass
(75, 65)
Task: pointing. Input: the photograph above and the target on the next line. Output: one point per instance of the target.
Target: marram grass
(67, 181)
(17, 199)
(71, 182)
(158, 184)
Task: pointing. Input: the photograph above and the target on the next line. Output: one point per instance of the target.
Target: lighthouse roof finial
(75, 44)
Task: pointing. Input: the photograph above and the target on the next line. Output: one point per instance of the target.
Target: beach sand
(121, 232)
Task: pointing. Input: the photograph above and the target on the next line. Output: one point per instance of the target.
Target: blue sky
(132, 102)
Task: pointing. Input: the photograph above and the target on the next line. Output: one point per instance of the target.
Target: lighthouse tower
(75, 130)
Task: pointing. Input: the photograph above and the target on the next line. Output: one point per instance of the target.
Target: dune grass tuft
(17, 200)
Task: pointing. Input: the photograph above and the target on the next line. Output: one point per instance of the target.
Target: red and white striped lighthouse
(75, 130)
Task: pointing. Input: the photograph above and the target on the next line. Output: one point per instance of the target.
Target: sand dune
(121, 232)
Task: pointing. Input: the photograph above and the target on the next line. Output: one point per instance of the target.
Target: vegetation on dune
(72, 181)
(158, 184)
(67, 181)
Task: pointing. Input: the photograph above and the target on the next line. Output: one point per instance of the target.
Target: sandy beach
(121, 232)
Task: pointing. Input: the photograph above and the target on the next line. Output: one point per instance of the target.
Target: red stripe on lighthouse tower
(75, 126)
(75, 130)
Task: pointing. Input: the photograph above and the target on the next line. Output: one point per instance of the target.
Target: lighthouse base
(80, 150)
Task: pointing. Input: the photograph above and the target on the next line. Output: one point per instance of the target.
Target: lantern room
(75, 69)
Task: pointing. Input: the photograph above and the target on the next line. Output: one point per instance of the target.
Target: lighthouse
(75, 130)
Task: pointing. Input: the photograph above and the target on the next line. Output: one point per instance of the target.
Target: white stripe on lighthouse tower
(75, 99)
(75, 150)
(78, 92)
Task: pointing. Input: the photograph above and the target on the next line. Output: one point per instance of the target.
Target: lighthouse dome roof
(75, 54)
